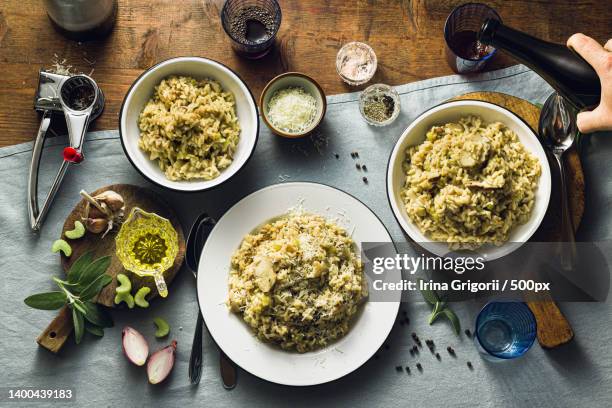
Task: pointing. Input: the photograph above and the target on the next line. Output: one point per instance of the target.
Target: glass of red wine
(464, 53)
(251, 25)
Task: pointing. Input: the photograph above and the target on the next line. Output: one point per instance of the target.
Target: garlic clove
(113, 200)
(161, 363)
(95, 225)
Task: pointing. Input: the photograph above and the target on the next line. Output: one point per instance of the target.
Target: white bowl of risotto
(188, 124)
(469, 175)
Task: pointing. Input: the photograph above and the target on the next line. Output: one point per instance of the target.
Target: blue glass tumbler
(464, 53)
(505, 330)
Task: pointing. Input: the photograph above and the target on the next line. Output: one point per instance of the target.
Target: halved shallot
(135, 346)
(161, 362)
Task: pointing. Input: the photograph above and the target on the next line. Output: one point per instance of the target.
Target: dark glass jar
(82, 20)
(251, 25)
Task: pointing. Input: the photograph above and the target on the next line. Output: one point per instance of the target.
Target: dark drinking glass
(251, 25)
(464, 53)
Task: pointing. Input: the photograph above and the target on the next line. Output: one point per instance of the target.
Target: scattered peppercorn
(364, 167)
(356, 154)
(468, 333)
(387, 347)
(358, 166)
(420, 367)
(376, 356)
(411, 352)
(450, 350)
(438, 356)
(407, 369)
(398, 369)
(337, 155)
(469, 364)
(407, 320)
(405, 313)
(365, 180)
(414, 336)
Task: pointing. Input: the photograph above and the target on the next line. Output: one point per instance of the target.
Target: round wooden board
(553, 328)
(550, 229)
(133, 196)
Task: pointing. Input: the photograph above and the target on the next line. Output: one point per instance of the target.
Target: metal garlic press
(79, 100)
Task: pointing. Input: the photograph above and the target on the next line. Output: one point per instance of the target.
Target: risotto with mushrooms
(470, 183)
(190, 127)
(297, 282)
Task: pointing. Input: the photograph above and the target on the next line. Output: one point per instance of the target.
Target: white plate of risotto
(188, 124)
(469, 175)
(282, 289)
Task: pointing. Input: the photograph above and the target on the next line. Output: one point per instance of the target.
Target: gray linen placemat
(577, 374)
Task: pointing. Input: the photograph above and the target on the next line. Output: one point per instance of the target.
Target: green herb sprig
(84, 280)
(440, 308)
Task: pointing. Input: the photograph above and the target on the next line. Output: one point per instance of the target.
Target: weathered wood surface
(406, 35)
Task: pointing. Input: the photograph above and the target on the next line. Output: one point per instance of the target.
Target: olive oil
(147, 245)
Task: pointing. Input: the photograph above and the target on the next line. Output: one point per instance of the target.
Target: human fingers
(590, 50)
(595, 120)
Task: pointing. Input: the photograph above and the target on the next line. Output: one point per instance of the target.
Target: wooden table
(406, 35)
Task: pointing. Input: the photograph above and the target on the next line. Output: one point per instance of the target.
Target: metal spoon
(557, 130)
(195, 242)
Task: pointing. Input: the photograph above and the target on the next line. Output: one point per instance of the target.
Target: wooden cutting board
(553, 328)
(55, 335)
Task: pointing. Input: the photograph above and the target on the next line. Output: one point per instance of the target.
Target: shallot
(135, 346)
(160, 364)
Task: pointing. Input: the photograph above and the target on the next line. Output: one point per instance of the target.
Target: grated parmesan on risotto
(297, 282)
(470, 183)
(190, 127)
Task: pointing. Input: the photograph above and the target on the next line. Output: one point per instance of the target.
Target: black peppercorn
(420, 367)
(365, 180)
(438, 356)
(469, 364)
(398, 369)
(468, 332)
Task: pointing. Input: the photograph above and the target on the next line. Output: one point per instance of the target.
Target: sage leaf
(95, 287)
(95, 330)
(429, 295)
(437, 310)
(93, 271)
(76, 270)
(79, 325)
(96, 315)
(47, 300)
(450, 315)
(78, 305)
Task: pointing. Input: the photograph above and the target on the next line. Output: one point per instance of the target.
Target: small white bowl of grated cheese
(292, 104)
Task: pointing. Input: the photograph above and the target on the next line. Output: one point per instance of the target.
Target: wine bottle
(566, 71)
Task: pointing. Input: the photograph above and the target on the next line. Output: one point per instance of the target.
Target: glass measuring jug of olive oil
(147, 245)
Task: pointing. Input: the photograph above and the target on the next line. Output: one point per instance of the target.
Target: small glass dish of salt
(356, 63)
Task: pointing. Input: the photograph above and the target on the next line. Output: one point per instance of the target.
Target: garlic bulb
(103, 211)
